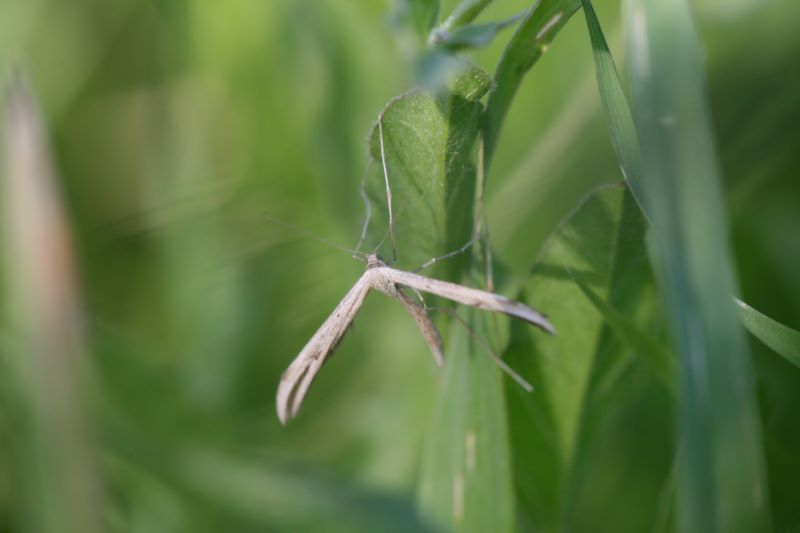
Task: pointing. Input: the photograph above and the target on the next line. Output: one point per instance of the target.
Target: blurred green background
(175, 125)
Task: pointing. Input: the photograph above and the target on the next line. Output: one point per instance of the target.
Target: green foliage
(598, 254)
(784, 340)
(174, 126)
(722, 482)
(464, 13)
(426, 148)
(466, 479)
(473, 35)
(615, 106)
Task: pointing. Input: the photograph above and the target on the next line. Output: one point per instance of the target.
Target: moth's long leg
(461, 250)
(496, 358)
(424, 324)
(298, 377)
(469, 296)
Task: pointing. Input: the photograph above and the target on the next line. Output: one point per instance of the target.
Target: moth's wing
(425, 326)
(471, 297)
(298, 377)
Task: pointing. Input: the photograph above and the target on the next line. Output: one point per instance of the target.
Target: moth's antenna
(306, 233)
(367, 207)
(497, 360)
(388, 190)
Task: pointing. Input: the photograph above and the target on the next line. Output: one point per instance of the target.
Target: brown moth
(296, 380)
(381, 277)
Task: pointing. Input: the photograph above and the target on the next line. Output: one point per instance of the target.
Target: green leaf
(464, 13)
(426, 143)
(721, 473)
(784, 340)
(617, 112)
(466, 472)
(471, 36)
(529, 42)
(427, 148)
(656, 354)
(576, 373)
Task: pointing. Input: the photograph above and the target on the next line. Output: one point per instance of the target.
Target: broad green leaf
(721, 477)
(656, 354)
(471, 36)
(784, 340)
(529, 42)
(465, 483)
(576, 372)
(427, 150)
(618, 356)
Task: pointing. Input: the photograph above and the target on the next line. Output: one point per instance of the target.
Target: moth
(379, 276)
(296, 380)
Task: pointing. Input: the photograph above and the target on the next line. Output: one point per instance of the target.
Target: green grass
(137, 385)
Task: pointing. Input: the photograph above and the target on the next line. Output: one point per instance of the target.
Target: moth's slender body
(298, 377)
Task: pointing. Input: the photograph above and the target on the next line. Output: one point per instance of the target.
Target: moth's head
(375, 260)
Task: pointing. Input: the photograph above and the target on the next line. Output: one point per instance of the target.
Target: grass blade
(784, 340)
(617, 112)
(722, 486)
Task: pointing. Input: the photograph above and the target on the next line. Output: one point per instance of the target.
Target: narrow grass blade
(721, 477)
(784, 340)
(617, 112)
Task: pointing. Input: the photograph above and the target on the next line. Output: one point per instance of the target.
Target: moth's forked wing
(298, 377)
(425, 325)
(471, 297)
